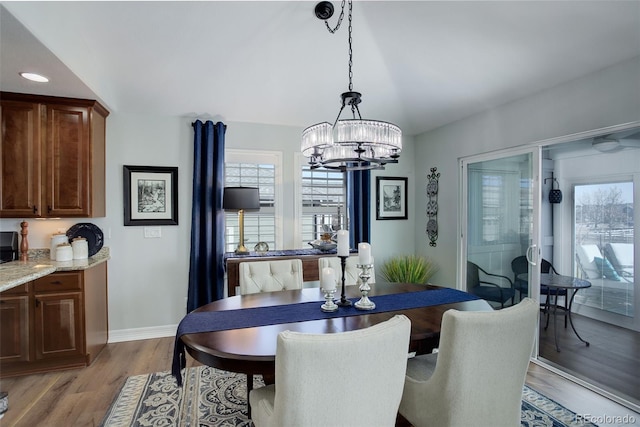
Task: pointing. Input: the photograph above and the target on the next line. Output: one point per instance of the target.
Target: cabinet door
(14, 329)
(59, 330)
(67, 181)
(20, 160)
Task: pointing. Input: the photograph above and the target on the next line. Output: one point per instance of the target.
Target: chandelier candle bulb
(343, 243)
(364, 253)
(328, 279)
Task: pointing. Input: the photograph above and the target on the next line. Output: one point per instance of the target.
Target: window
(254, 169)
(323, 197)
(604, 248)
(498, 199)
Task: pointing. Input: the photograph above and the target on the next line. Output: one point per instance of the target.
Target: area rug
(214, 398)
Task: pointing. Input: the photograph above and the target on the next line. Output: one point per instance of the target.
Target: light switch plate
(152, 232)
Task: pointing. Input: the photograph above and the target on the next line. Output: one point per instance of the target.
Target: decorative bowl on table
(261, 247)
(323, 245)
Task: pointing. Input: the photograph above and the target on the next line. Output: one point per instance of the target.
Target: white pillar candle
(364, 253)
(328, 279)
(343, 243)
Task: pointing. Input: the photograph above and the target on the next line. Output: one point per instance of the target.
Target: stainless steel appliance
(8, 246)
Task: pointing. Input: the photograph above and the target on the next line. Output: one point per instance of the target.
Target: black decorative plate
(89, 231)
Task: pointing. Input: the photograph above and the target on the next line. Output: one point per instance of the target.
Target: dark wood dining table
(252, 350)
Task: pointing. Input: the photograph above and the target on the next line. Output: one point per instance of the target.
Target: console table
(309, 259)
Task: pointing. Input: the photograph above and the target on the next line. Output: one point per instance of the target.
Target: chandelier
(353, 143)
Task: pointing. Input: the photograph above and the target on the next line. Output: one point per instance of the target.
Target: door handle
(529, 254)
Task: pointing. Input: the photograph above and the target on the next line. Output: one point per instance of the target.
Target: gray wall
(148, 277)
(606, 98)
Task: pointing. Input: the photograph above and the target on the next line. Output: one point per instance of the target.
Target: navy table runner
(212, 321)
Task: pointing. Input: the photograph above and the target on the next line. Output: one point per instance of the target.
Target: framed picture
(391, 198)
(150, 195)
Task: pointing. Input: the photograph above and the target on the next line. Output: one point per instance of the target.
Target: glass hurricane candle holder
(365, 303)
(329, 305)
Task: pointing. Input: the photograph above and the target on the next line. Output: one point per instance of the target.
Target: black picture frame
(150, 195)
(391, 198)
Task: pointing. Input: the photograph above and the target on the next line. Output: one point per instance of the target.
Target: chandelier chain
(355, 144)
(350, 47)
(326, 22)
(336, 28)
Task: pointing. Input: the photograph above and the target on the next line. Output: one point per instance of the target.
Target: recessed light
(35, 77)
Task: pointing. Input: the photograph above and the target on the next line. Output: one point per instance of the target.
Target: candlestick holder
(329, 305)
(365, 303)
(344, 302)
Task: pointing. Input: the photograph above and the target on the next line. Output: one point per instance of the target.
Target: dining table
(239, 333)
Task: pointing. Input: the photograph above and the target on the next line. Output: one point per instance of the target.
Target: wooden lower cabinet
(15, 325)
(56, 322)
(58, 325)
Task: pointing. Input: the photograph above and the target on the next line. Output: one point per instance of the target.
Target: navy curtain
(359, 206)
(206, 269)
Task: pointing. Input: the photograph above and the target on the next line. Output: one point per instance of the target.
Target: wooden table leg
(249, 388)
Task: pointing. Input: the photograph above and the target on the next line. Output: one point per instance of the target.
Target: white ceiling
(419, 64)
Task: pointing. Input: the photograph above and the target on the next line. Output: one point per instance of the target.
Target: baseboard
(121, 335)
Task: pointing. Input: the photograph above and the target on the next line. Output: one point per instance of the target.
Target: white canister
(57, 239)
(64, 252)
(80, 248)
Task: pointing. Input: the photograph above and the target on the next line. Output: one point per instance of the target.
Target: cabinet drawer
(59, 282)
(22, 289)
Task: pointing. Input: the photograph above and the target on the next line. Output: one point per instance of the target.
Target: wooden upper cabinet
(20, 151)
(53, 157)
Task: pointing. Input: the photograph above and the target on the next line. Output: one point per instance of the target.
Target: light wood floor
(82, 397)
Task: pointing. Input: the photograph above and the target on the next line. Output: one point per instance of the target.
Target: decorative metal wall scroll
(432, 206)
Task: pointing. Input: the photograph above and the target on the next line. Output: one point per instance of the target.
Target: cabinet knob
(56, 282)
(35, 209)
(49, 209)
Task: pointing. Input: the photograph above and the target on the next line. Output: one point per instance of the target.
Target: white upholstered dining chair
(352, 273)
(477, 376)
(349, 379)
(269, 276)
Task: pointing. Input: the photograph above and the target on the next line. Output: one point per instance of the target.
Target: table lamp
(241, 199)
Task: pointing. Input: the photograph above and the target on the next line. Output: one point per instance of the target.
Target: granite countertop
(15, 273)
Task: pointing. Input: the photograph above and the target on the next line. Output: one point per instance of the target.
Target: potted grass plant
(408, 269)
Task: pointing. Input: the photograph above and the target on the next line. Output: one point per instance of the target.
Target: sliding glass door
(499, 241)
(573, 205)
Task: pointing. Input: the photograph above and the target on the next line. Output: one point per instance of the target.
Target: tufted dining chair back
(352, 273)
(270, 276)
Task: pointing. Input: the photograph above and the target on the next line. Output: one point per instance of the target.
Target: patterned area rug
(211, 397)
